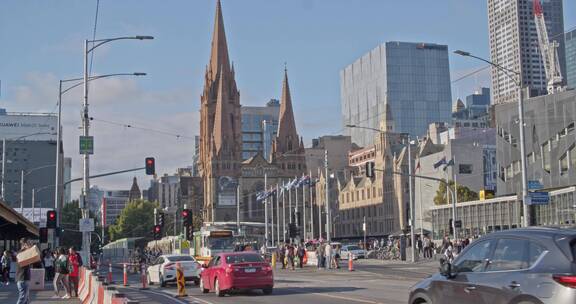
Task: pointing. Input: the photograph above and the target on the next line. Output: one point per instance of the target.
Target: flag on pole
(440, 162)
(450, 163)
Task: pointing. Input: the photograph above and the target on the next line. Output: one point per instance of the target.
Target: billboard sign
(226, 191)
(28, 127)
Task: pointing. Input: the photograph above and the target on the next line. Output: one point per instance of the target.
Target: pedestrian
(336, 259)
(5, 262)
(48, 261)
(74, 262)
(301, 254)
(290, 254)
(328, 254)
(321, 256)
(23, 276)
(281, 255)
(61, 276)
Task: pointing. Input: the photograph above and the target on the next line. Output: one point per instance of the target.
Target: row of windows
(360, 195)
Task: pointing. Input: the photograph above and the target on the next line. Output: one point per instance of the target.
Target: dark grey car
(519, 266)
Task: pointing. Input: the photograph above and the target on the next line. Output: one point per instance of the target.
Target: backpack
(63, 267)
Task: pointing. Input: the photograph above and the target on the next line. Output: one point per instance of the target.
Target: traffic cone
(350, 262)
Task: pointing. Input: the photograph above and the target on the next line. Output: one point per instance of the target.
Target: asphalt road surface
(372, 282)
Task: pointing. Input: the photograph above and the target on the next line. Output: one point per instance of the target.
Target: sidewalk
(9, 295)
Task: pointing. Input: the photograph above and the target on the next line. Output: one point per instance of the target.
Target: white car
(163, 270)
(357, 252)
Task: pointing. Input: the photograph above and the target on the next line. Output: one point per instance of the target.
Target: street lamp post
(518, 82)
(86, 133)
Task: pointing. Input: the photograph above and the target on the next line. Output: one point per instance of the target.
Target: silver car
(520, 266)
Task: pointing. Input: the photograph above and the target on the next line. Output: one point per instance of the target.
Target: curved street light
(527, 221)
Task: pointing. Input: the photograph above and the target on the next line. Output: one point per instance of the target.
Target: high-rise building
(259, 126)
(413, 78)
(570, 73)
(30, 150)
(514, 45)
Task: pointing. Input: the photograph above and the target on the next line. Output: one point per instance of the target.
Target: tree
(464, 194)
(70, 235)
(136, 220)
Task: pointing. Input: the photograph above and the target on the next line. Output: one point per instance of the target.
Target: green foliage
(136, 220)
(70, 235)
(464, 194)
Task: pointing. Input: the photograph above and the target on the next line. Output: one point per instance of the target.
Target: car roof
(175, 255)
(536, 231)
(225, 254)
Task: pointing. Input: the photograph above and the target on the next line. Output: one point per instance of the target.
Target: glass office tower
(414, 78)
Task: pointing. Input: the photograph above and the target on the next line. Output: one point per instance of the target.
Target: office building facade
(30, 143)
(514, 45)
(259, 126)
(413, 78)
(570, 39)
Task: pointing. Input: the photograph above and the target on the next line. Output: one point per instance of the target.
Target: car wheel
(267, 291)
(162, 283)
(217, 290)
(204, 290)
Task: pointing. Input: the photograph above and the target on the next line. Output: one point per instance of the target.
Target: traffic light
(150, 166)
(157, 232)
(189, 233)
(43, 235)
(160, 219)
(187, 217)
(369, 169)
(51, 219)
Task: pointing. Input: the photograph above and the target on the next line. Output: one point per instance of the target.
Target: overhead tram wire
(132, 126)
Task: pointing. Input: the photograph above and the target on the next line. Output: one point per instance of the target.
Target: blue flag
(440, 162)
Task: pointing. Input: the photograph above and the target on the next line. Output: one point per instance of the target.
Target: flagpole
(304, 210)
(319, 208)
(455, 200)
(265, 210)
(277, 214)
(296, 214)
(284, 210)
(272, 216)
(311, 207)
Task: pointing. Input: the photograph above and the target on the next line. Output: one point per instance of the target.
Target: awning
(14, 225)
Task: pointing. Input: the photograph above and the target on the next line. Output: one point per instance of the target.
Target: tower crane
(549, 51)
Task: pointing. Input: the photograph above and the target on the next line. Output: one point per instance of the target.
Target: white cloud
(117, 148)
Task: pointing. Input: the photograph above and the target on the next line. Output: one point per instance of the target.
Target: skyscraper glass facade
(571, 59)
(259, 127)
(414, 78)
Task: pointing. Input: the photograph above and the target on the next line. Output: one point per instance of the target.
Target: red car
(236, 270)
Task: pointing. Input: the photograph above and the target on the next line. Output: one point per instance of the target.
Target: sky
(41, 42)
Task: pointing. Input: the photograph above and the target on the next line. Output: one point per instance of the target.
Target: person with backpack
(61, 275)
(74, 263)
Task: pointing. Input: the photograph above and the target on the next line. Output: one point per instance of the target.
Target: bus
(210, 241)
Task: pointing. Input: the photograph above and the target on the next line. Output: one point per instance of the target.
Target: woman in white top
(49, 265)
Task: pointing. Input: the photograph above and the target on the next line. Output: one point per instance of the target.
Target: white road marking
(172, 297)
(340, 297)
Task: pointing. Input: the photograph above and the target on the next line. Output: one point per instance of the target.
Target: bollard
(180, 281)
(144, 278)
(110, 273)
(274, 260)
(350, 262)
(125, 274)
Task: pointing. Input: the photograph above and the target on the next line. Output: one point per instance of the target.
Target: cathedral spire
(287, 137)
(219, 54)
(221, 120)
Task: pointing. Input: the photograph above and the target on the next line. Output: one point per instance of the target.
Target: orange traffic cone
(350, 262)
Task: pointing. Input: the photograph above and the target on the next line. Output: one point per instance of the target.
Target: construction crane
(549, 51)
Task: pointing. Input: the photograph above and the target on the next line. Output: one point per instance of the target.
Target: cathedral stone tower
(220, 130)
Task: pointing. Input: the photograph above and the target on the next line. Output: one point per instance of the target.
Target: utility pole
(527, 207)
(411, 197)
(57, 181)
(328, 228)
(3, 167)
(319, 209)
(266, 211)
(86, 158)
(238, 208)
(22, 192)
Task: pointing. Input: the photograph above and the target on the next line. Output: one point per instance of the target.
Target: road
(372, 282)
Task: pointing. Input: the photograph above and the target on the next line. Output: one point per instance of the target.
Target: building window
(363, 197)
(347, 197)
(368, 193)
(546, 156)
(564, 163)
(465, 168)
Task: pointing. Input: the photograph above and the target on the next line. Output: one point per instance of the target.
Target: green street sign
(86, 145)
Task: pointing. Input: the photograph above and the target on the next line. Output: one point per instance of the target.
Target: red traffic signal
(157, 229)
(157, 232)
(51, 219)
(185, 213)
(187, 217)
(150, 166)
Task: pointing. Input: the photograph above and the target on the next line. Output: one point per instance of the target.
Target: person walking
(5, 266)
(328, 254)
(301, 254)
(61, 276)
(290, 253)
(23, 276)
(48, 261)
(74, 262)
(336, 258)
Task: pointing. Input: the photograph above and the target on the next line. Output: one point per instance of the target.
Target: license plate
(250, 270)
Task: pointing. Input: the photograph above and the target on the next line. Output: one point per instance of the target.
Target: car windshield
(221, 243)
(353, 248)
(180, 258)
(244, 258)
